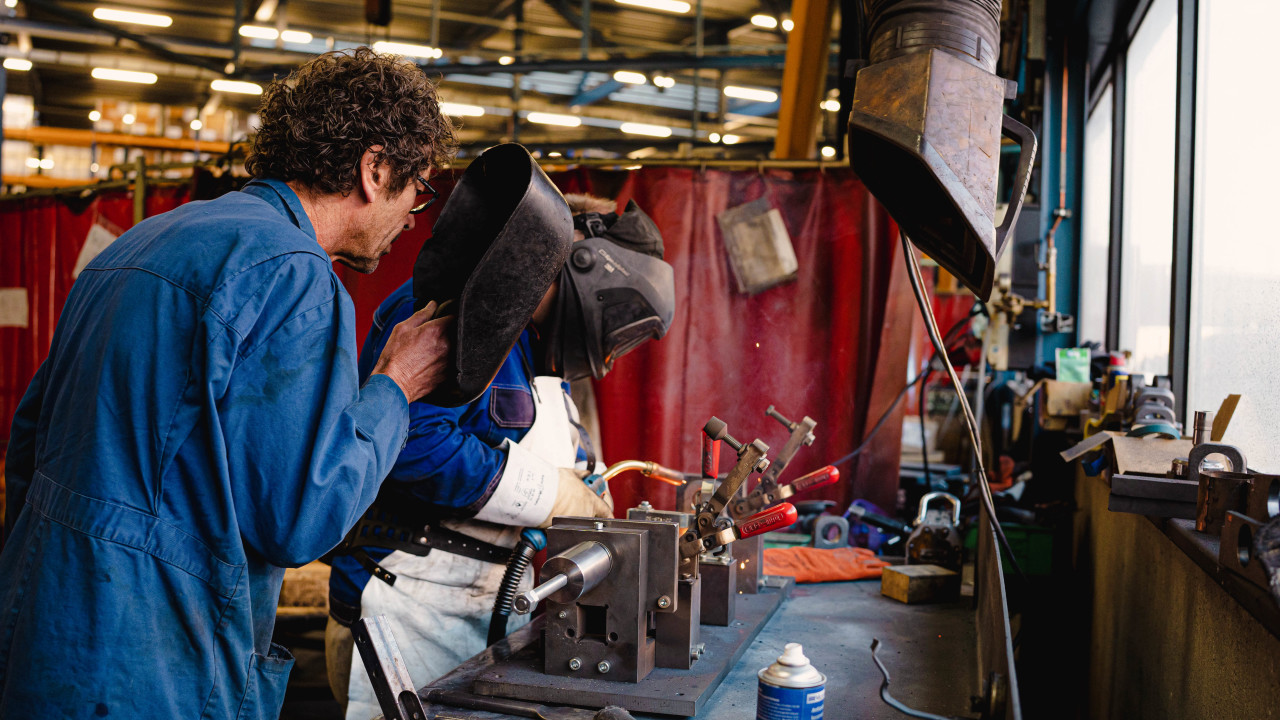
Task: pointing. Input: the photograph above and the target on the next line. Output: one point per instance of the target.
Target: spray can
(791, 688)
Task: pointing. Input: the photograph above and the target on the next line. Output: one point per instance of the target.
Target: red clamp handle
(775, 518)
(816, 479)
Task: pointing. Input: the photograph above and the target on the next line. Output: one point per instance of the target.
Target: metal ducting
(925, 129)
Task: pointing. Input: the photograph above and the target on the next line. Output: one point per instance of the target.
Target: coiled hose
(531, 541)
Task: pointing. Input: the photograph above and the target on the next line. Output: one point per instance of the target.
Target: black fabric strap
(395, 522)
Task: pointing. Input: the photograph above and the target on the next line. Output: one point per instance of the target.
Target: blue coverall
(197, 427)
(452, 457)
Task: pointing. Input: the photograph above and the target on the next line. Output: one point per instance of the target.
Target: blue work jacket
(198, 426)
(453, 457)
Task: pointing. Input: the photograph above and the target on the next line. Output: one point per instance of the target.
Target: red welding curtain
(831, 345)
(811, 347)
(40, 240)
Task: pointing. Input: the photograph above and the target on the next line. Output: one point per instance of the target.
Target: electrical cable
(928, 368)
(931, 324)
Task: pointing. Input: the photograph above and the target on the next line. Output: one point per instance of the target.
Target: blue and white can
(791, 688)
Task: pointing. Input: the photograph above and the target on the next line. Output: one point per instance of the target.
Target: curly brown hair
(318, 122)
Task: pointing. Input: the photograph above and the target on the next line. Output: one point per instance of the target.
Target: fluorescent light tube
(144, 78)
(764, 21)
(673, 6)
(553, 119)
(745, 93)
(461, 110)
(236, 86)
(131, 17)
(407, 49)
(630, 77)
(645, 129)
(19, 64)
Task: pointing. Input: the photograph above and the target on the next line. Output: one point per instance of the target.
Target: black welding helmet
(615, 293)
(499, 243)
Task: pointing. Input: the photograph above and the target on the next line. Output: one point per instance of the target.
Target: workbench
(930, 651)
(1169, 633)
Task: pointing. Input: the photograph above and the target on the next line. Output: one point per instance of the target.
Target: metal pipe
(646, 468)
(570, 575)
(528, 600)
(1203, 427)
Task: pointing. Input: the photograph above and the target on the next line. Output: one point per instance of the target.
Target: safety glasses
(429, 190)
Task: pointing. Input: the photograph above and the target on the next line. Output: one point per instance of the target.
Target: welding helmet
(615, 293)
(498, 245)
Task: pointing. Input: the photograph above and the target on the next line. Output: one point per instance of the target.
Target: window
(1235, 263)
(1096, 228)
(1147, 241)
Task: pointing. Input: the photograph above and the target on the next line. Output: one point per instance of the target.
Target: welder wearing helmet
(514, 458)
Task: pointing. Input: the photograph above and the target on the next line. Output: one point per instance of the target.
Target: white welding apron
(441, 603)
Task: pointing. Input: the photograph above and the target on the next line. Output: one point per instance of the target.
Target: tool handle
(771, 412)
(775, 518)
(818, 478)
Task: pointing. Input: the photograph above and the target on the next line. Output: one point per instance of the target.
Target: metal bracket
(388, 673)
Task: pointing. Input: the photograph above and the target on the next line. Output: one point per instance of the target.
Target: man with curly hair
(199, 425)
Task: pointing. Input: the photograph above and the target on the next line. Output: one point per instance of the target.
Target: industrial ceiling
(503, 58)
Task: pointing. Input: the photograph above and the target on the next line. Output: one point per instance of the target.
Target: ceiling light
(258, 31)
(197, 125)
(11, 3)
(553, 154)
(831, 105)
(764, 21)
(19, 64)
(134, 18)
(298, 36)
(94, 116)
(714, 137)
(46, 163)
(33, 163)
(554, 119)
(460, 110)
(828, 152)
(132, 76)
(128, 119)
(633, 167)
(236, 86)
(407, 49)
(788, 25)
(94, 167)
(746, 93)
(674, 6)
(631, 77)
(506, 60)
(664, 81)
(632, 128)
(729, 139)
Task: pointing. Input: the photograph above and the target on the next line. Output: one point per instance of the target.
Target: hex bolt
(575, 664)
(664, 602)
(603, 666)
(599, 526)
(562, 614)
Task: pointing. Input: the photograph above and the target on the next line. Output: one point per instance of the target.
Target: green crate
(1032, 545)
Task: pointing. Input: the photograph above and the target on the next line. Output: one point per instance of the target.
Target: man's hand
(416, 355)
(575, 499)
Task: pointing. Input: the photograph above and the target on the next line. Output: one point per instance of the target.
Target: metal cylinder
(967, 29)
(1202, 429)
(569, 575)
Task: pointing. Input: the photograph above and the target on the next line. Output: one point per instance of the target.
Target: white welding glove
(575, 499)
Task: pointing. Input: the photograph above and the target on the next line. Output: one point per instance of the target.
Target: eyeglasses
(434, 194)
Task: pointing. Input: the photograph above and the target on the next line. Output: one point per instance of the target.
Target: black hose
(521, 555)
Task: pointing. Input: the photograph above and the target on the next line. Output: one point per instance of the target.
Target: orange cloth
(812, 565)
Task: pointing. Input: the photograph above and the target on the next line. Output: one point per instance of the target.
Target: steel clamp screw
(603, 666)
(664, 602)
(575, 664)
(599, 526)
